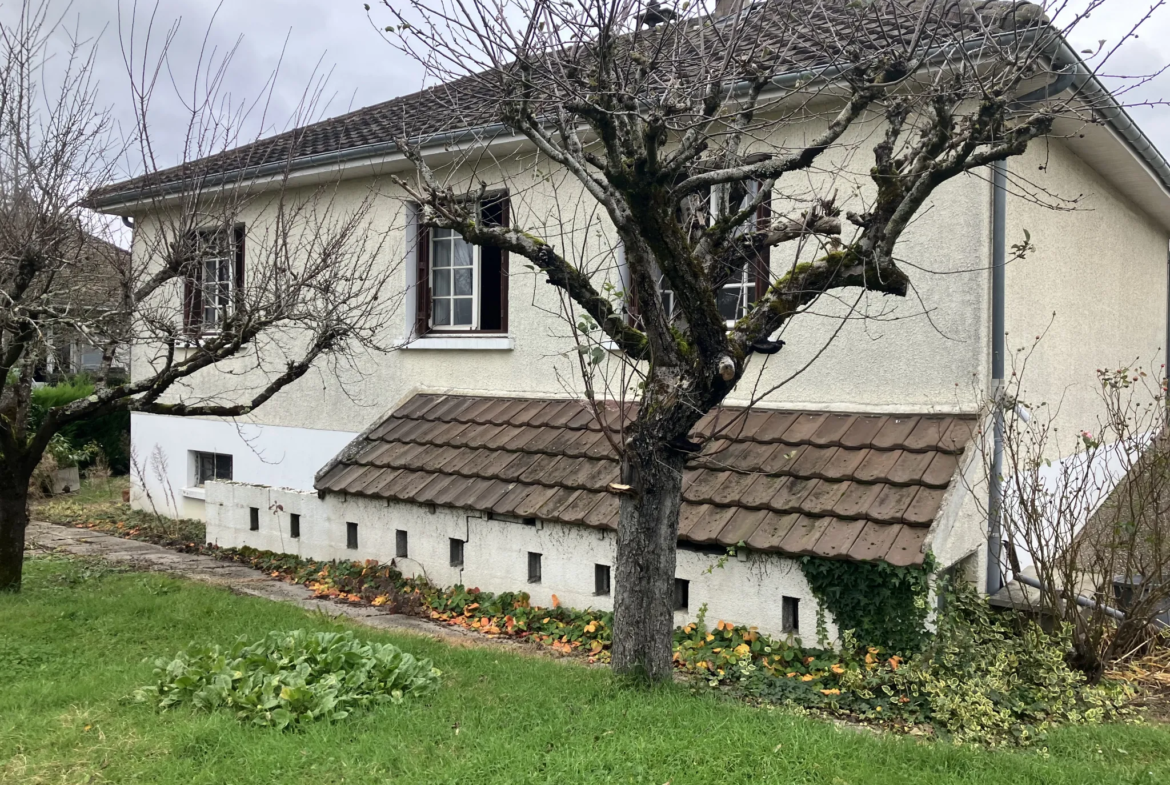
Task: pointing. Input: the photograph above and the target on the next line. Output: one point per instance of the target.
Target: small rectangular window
(682, 594)
(790, 614)
(212, 466)
(456, 552)
(601, 580)
(294, 525)
(351, 540)
(533, 567)
(401, 546)
(254, 519)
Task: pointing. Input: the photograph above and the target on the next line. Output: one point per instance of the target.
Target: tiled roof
(470, 102)
(851, 486)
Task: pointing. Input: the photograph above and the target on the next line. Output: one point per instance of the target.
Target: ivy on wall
(884, 605)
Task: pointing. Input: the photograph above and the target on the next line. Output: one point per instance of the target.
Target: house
(468, 456)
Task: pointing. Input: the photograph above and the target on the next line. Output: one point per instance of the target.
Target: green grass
(73, 646)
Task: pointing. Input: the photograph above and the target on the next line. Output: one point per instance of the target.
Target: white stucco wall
(1095, 287)
(496, 553)
(269, 454)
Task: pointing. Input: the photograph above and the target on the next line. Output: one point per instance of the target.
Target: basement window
(601, 586)
(211, 466)
(254, 519)
(533, 567)
(456, 552)
(294, 525)
(401, 549)
(790, 614)
(682, 594)
(351, 535)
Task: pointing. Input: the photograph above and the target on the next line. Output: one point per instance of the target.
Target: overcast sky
(365, 69)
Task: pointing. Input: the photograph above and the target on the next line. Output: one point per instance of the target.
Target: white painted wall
(269, 454)
(496, 553)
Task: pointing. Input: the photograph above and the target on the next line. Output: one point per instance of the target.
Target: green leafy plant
(288, 678)
(883, 605)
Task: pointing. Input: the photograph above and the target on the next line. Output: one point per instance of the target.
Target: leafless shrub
(1085, 516)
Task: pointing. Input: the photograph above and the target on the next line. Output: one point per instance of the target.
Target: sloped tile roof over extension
(848, 486)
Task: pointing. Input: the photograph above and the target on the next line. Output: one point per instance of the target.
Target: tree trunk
(644, 580)
(13, 522)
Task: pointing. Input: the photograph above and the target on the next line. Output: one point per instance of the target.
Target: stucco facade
(1101, 268)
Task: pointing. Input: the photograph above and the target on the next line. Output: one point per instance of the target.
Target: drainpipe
(1066, 77)
(998, 291)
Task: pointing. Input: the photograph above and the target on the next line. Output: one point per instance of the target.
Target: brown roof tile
(834, 485)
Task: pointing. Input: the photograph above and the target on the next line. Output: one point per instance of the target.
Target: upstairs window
(211, 466)
(740, 292)
(215, 279)
(462, 288)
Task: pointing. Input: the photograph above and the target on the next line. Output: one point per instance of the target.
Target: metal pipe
(1084, 602)
(998, 299)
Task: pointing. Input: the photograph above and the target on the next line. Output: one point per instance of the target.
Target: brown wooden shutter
(238, 235)
(762, 262)
(422, 318)
(192, 272)
(505, 221)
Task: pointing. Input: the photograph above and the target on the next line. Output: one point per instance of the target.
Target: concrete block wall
(746, 589)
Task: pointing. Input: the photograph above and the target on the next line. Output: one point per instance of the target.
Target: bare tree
(209, 302)
(1085, 514)
(688, 132)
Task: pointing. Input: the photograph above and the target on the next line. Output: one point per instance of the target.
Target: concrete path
(50, 538)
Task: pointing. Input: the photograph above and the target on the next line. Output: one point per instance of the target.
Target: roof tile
(835, 485)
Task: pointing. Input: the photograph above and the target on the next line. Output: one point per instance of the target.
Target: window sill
(498, 343)
(195, 493)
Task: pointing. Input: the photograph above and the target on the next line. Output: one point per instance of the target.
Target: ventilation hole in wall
(401, 546)
(351, 535)
(682, 594)
(533, 567)
(790, 614)
(601, 580)
(254, 519)
(456, 552)
(294, 525)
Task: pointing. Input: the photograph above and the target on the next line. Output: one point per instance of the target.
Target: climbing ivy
(884, 605)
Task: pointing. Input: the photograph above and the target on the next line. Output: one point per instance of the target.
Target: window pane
(462, 311)
(443, 233)
(462, 253)
(442, 283)
(442, 312)
(442, 253)
(728, 301)
(223, 467)
(463, 281)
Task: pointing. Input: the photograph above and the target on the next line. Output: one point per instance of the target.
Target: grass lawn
(74, 644)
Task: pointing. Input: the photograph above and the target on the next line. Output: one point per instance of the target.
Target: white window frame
(221, 292)
(453, 238)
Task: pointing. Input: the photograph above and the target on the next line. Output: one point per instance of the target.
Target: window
(456, 552)
(462, 287)
(294, 525)
(534, 567)
(682, 594)
(351, 540)
(738, 294)
(254, 519)
(601, 580)
(212, 466)
(215, 279)
(790, 614)
(401, 549)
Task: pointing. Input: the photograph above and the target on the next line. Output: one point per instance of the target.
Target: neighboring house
(91, 291)
(468, 456)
